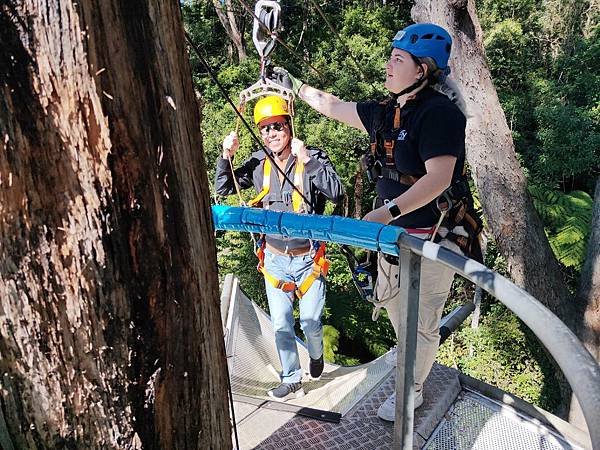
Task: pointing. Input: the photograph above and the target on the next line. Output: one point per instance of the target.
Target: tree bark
(588, 301)
(232, 28)
(500, 180)
(110, 335)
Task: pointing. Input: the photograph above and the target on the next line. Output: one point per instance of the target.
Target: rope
(235, 182)
(254, 137)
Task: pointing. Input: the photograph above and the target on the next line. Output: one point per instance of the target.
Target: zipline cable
(362, 74)
(241, 117)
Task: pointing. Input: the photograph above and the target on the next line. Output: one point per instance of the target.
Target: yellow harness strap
(266, 184)
(320, 267)
(297, 200)
(320, 263)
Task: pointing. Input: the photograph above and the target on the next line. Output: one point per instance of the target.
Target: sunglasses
(277, 126)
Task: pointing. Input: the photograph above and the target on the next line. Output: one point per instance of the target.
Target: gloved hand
(283, 78)
(230, 145)
(299, 150)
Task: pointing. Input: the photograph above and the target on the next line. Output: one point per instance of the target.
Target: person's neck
(410, 95)
(283, 156)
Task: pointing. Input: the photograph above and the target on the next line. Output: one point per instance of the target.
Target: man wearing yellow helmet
(287, 264)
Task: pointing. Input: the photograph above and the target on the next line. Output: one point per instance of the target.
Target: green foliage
(507, 48)
(331, 339)
(499, 352)
(567, 219)
(569, 137)
(545, 62)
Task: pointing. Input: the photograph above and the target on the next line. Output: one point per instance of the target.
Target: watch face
(394, 210)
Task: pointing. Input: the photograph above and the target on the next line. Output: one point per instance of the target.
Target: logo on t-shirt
(402, 135)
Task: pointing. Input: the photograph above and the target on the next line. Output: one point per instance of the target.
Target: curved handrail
(580, 369)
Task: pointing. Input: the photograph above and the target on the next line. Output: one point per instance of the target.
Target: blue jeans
(281, 307)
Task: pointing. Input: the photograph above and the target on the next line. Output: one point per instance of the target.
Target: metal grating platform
(452, 417)
(477, 423)
(276, 426)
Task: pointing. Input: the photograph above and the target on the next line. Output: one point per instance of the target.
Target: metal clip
(266, 26)
(445, 200)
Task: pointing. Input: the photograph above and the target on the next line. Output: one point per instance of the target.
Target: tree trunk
(588, 301)
(110, 335)
(232, 28)
(502, 186)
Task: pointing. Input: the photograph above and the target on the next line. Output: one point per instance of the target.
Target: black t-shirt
(430, 125)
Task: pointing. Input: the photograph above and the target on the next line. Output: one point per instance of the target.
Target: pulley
(266, 26)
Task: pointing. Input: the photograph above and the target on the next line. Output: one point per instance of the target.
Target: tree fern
(567, 220)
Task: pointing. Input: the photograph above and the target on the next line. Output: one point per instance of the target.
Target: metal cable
(333, 30)
(241, 117)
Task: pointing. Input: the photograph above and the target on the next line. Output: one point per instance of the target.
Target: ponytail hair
(438, 80)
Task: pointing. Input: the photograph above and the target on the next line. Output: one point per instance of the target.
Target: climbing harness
(364, 274)
(297, 201)
(455, 205)
(320, 268)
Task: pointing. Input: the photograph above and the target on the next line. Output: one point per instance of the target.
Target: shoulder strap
(297, 200)
(379, 124)
(266, 184)
(391, 130)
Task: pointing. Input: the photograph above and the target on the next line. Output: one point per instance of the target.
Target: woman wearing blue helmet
(417, 152)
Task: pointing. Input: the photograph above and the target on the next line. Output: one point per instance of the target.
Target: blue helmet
(425, 39)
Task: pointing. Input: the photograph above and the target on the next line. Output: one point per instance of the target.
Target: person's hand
(230, 145)
(299, 150)
(381, 215)
(287, 80)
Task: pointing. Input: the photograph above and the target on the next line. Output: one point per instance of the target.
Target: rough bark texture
(232, 28)
(588, 301)
(110, 335)
(509, 211)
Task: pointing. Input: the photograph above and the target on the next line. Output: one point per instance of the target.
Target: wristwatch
(393, 209)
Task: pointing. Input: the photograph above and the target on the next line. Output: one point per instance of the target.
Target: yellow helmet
(270, 106)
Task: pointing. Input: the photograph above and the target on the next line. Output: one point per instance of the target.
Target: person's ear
(422, 71)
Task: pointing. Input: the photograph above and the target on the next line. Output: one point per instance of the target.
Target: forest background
(544, 56)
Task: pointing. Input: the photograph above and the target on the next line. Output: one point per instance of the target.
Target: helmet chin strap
(411, 88)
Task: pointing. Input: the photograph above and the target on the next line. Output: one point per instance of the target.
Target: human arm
(331, 106)
(426, 189)
(323, 102)
(224, 178)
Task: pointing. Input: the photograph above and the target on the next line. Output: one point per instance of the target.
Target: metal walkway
(454, 414)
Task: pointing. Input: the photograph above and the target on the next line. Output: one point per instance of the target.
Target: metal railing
(579, 367)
